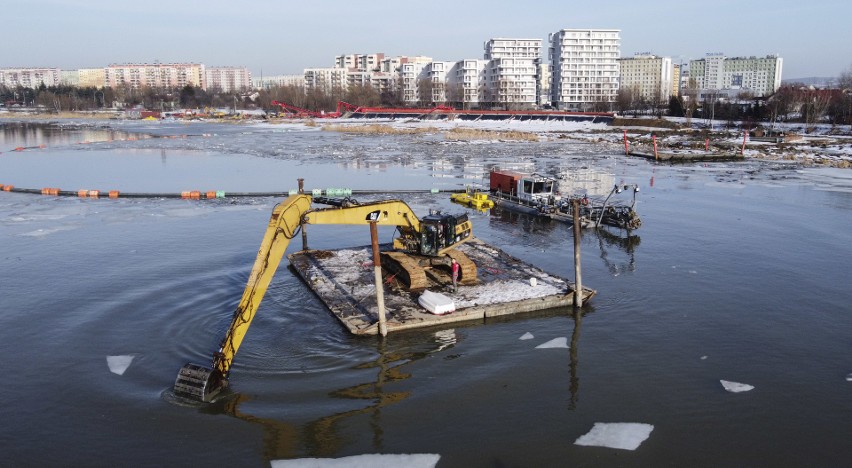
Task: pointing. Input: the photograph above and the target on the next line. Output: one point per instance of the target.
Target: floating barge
(343, 280)
(688, 156)
(536, 195)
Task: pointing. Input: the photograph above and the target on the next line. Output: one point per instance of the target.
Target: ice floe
(561, 342)
(626, 436)
(736, 387)
(119, 364)
(526, 336)
(849, 377)
(419, 460)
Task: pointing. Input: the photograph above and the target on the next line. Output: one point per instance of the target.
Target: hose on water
(206, 195)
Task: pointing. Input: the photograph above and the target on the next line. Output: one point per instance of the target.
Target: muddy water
(738, 273)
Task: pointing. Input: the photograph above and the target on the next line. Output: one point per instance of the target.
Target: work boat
(537, 195)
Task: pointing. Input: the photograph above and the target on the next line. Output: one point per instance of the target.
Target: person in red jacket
(456, 268)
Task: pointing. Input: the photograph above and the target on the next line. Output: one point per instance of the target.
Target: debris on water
(849, 377)
(626, 436)
(736, 387)
(703, 357)
(417, 460)
(526, 336)
(119, 364)
(561, 342)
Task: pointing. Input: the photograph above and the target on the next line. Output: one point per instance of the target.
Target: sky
(281, 37)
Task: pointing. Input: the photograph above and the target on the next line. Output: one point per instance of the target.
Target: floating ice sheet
(119, 364)
(561, 342)
(419, 460)
(529, 336)
(736, 387)
(626, 436)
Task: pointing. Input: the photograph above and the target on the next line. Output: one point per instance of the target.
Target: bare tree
(691, 95)
(814, 108)
(844, 82)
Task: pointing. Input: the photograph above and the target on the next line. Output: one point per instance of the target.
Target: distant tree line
(791, 103)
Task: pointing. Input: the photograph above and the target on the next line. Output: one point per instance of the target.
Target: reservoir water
(738, 273)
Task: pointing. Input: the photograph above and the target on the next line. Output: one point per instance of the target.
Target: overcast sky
(273, 37)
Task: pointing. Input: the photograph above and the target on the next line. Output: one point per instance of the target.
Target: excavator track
(406, 269)
(467, 273)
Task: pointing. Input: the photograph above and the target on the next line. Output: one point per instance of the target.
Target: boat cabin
(530, 188)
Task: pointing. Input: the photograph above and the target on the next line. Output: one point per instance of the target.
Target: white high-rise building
(326, 79)
(228, 79)
(584, 64)
(466, 83)
(512, 74)
(760, 75)
(648, 75)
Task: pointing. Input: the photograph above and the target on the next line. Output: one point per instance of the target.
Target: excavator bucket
(199, 383)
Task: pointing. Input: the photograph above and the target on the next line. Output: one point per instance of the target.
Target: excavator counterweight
(433, 237)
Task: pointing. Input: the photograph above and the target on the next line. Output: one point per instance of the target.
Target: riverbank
(823, 146)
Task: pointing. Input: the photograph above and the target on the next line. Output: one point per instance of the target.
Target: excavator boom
(197, 382)
(434, 236)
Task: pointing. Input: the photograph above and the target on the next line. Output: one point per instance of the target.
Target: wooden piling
(301, 183)
(578, 283)
(377, 271)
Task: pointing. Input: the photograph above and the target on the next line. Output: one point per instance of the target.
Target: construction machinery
(421, 244)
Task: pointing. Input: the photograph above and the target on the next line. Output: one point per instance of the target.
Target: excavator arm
(200, 383)
(428, 237)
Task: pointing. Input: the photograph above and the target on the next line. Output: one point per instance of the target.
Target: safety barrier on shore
(208, 194)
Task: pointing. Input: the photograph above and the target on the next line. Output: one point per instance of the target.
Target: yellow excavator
(419, 245)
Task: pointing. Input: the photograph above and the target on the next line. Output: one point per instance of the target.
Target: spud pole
(578, 282)
(377, 270)
(301, 183)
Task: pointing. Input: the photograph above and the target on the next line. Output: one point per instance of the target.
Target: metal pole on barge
(578, 282)
(377, 269)
(304, 232)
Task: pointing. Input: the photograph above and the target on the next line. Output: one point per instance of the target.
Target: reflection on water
(31, 135)
(322, 437)
(626, 243)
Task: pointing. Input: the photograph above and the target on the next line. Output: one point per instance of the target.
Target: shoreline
(828, 146)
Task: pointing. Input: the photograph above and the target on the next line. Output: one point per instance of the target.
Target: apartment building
(266, 82)
(584, 63)
(156, 75)
(92, 77)
(326, 79)
(466, 83)
(512, 74)
(759, 75)
(676, 79)
(648, 76)
(30, 77)
(360, 62)
(411, 74)
(228, 79)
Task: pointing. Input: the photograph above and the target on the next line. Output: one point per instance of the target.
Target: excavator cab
(439, 231)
